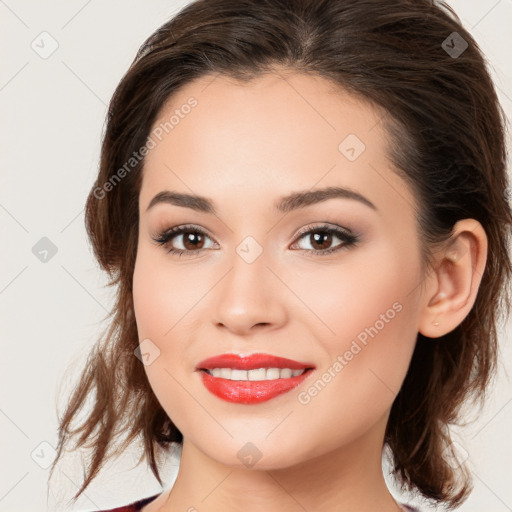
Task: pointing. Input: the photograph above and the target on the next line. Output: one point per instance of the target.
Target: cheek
(371, 312)
(160, 296)
(373, 287)
(368, 301)
(146, 297)
(157, 311)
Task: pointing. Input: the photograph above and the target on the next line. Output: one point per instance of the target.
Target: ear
(452, 284)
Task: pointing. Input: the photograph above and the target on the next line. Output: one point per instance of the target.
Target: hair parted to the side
(446, 138)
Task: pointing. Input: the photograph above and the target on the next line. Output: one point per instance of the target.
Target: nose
(249, 297)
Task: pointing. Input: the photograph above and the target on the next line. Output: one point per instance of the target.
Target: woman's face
(257, 284)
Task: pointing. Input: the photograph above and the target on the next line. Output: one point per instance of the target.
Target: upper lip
(250, 362)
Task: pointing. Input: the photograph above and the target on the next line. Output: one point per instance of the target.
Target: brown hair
(446, 130)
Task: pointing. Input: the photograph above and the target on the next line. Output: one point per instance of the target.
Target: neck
(348, 479)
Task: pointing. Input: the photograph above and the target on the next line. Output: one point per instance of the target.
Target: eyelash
(349, 239)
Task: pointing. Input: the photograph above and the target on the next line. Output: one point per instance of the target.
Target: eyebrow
(284, 204)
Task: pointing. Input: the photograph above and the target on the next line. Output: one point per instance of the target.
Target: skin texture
(244, 146)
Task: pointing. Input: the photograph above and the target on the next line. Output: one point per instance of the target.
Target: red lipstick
(251, 391)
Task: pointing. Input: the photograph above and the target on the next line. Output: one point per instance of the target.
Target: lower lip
(249, 391)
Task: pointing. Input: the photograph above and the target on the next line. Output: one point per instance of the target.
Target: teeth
(256, 374)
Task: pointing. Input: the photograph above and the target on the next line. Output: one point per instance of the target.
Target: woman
(302, 205)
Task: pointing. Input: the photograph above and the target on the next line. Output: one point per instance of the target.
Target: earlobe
(454, 280)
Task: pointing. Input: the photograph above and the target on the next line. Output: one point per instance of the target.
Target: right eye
(166, 237)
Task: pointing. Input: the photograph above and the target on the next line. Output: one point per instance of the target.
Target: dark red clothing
(137, 505)
(133, 507)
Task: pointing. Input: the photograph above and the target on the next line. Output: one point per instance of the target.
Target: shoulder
(133, 507)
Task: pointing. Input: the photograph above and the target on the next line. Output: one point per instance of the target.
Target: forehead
(279, 109)
(277, 133)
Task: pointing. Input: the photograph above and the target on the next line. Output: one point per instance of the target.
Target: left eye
(322, 235)
(193, 239)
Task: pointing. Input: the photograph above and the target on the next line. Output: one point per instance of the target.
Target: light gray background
(52, 118)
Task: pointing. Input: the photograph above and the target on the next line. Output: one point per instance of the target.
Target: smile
(237, 387)
(252, 378)
(258, 374)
